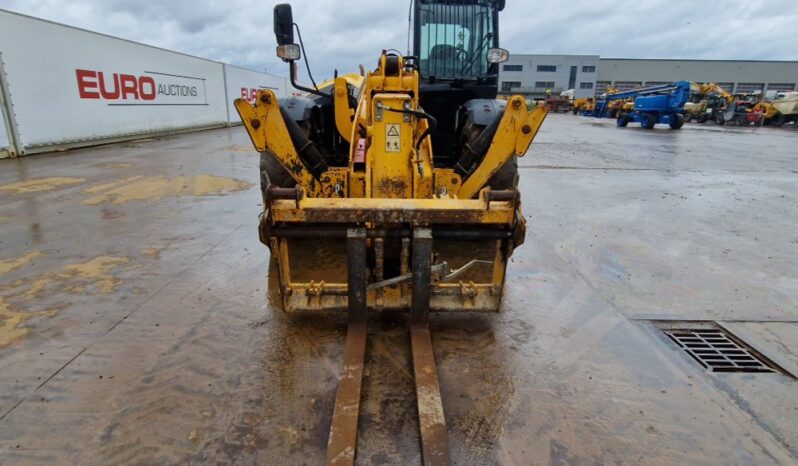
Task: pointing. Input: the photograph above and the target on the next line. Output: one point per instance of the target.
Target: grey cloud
(342, 34)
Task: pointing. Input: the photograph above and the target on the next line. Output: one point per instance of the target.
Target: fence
(66, 87)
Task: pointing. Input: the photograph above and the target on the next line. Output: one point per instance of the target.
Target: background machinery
(403, 181)
(781, 109)
(562, 103)
(708, 102)
(584, 105)
(647, 106)
(745, 109)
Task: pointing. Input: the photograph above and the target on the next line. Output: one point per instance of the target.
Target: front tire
(720, 120)
(778, 120)
(273, 174)
(677, 122)
(688, 117)
(622, 121)
(648, 121)
(505, 177)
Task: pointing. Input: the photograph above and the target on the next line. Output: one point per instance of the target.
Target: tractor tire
(688, 117)
(506, 177)
(622, 121)
(720, 120)
(677, 122)
(273, 174)
(702, 118)
(648, 121)
(778, 120)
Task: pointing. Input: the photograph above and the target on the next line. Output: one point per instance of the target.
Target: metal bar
(504, 195)
(275, 192)
(340, 232)
(404, 262)
(432, 424)
(379, 269)
(356, 272)
(342, 443)
(422, 274)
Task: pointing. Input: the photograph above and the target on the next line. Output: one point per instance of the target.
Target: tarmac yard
(135, 326)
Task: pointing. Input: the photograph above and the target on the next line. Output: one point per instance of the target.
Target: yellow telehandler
(395, 190)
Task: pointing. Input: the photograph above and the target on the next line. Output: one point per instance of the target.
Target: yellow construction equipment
(395, 190)
(781, 109)
(586, 104)
(375, 165)
(708, 102)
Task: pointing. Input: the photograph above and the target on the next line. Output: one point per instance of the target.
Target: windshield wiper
(469, 65)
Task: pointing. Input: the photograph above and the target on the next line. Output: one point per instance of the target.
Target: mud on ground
(135, 326)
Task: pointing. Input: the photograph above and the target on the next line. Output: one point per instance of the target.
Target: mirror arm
(292, 65)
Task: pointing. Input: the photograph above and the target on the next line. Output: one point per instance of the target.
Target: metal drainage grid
(717, 351)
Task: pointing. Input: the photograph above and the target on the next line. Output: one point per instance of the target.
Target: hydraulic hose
(305, 148)
(433, 123)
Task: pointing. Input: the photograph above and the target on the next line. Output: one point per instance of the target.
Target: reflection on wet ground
(135, 326)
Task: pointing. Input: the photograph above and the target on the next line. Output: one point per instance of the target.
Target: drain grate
(719, 351)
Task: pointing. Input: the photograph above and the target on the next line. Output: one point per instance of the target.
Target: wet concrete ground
(135, 326)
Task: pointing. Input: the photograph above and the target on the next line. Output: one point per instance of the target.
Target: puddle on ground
(154, 188)
(91, 277)
(40, 184)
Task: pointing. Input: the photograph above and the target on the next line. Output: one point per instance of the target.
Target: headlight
(288, 52)
(498, 55)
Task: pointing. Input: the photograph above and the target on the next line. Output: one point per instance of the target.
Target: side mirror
(283, 24)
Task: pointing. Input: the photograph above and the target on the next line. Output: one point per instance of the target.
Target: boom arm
(713, 88)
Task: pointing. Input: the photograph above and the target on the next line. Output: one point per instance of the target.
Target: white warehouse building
(589, 75)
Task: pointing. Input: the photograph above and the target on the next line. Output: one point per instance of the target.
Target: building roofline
(513, 54)
(700, 59)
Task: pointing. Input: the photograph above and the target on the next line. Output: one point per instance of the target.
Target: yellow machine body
(389, 186)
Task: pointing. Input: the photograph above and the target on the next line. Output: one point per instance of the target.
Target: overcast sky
(344, 33)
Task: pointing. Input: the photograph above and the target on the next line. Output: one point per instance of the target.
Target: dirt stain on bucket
(40, 184)
(154, 188)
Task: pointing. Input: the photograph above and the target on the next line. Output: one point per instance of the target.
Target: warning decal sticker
(392, 137)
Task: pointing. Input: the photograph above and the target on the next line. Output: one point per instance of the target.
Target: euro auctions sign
(147, 88)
